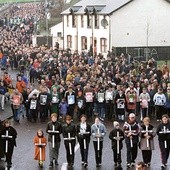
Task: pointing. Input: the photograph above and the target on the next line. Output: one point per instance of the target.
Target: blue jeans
(17, 114)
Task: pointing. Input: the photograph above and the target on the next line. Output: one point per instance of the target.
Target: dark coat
(113, 134)
(69, 128)
(80, 137)
(163, 136)
(11, 132)
(58, 127)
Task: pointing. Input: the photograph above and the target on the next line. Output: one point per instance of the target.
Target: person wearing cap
(69, 131)
(55, 125)
(131, 130)
(83, 136)
(98, 131)
(164, 139)
(113, 136)
(159, 100)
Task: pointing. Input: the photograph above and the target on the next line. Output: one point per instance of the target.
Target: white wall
(54, 33)
(130, 24)
(98, 33)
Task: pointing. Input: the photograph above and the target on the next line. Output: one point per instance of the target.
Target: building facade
(137, 27)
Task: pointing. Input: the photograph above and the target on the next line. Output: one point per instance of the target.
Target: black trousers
(9, 154)
(131, 152)
(33, 114)
(43, 112)
(98, 154)
(70, 156)
(83, 151)
(116, 156)
(160, 110)
(70, 110)
(147, 155)
(164, 151)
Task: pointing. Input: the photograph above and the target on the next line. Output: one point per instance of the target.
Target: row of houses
(137, 27)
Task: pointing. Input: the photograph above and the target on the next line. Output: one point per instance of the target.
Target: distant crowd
(75, 83)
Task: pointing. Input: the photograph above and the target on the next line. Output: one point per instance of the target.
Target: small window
(69, 41)
(103, 45)
(58, 34)
(84, 43)
(82, 21)
(68, 21)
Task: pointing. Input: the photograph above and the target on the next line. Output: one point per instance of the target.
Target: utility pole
(47, 17)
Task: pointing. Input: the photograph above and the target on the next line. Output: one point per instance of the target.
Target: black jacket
(163, 136)
(57, 127)
(113, 134)
(11, 132)
(69, 128)
(80, 137)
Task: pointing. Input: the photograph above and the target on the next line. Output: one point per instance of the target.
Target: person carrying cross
(69, 135)
(146, 143)
(8, 135)
(163, 132)
(131, 130)
(117, 136)
(54, 129)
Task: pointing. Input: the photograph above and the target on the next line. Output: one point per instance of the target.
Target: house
(137, 27)
(56, 33)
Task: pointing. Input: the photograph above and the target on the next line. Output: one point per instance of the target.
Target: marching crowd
(69, 86)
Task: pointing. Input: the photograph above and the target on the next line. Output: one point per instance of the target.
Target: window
(84, 43)
(69, 41)
(103, 44)
(67, 20)
(74, 21)
(82, 21)
(58, 34)
(96, 21)
(89, 20)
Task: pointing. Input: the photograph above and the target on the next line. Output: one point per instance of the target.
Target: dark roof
(101, 6)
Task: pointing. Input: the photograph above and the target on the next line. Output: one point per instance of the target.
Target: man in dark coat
(9, 135)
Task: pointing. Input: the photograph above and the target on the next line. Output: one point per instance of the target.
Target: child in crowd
(40, 143)
(63, 106)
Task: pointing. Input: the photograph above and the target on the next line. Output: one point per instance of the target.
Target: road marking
(64, 165)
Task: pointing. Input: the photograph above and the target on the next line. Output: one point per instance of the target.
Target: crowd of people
(73, 85)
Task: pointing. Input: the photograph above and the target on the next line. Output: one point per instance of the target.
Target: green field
(15, 1)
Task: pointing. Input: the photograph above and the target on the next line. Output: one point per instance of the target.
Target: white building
(131, 26)
(57, 34)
